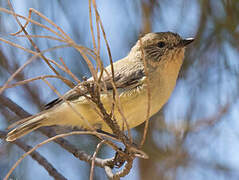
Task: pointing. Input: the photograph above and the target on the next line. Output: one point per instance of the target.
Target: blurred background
(195, 136)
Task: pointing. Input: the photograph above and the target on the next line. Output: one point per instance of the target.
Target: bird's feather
(133, 80)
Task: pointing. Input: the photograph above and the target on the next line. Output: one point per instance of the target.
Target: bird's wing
(125, 81)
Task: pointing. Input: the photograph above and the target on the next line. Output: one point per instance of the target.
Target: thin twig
(89, 63)
(24, 65)
(38, 157)
(44, 37)
(32, 21)
(119, 107)
(19, 83)
(68, 103)
(121, 173)
(43, 143)
(112, 70)
(68, 41)
(17, 46)
(91, 26)
(90, 127)
(49, 132)
(68, 71)
(96, 49)
(148, 95)
(25, 25)
(32, 42)
(52, 23)
(110, 174)
(93, 159)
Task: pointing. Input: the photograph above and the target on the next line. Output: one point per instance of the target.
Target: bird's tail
(25, 126)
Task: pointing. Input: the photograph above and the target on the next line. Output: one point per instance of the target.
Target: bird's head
(161, 47)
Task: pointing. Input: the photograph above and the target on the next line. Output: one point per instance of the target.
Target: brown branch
(106, 117)
(93, 159)
(110, 174)
(67, 70)
(121, 173)
(49, 132)
(37, 157)
(43, 143)
(31, 41)
(27, 63)
(35, 46)
(148, 95)
(19, 83)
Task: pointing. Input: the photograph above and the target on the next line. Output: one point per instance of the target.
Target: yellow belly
(83, 114)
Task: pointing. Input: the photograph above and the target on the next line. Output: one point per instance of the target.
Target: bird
(162, 53)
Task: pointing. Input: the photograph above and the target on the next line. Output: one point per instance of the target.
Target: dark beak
(185, 42)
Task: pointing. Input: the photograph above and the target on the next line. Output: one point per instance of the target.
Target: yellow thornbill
(163, 53)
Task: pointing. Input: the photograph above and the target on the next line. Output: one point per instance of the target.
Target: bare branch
(38, 157)
(93, 159)
(148, 95)
(49, 132)
(32, 42)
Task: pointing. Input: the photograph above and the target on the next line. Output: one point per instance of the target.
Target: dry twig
(93, 159)
(38, 157)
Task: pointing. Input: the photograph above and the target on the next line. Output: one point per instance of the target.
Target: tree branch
(49, 132)
(38, 157)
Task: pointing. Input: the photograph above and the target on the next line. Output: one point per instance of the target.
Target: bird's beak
(185, 42)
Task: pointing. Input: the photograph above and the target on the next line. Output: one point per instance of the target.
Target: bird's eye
(161, 44)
